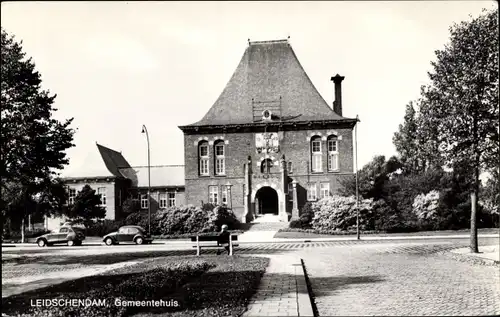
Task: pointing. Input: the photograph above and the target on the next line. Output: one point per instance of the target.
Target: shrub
(15, 235)
(134, 218)
(306, 215)
(425, 205)
(219, 216)
(131, 206)
(208, 206)
(177, 220)
(339, 213)
(101, 228)
(297, 224)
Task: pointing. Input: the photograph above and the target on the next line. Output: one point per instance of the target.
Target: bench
(212, 242)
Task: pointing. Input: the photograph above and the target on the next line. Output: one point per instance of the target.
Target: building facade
(115, 180)
(270, 142)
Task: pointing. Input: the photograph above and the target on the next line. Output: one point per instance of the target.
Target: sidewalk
(282, 290)
(488, 254)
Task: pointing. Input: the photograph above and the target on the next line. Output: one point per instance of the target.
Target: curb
(305, 303)
(473, 259)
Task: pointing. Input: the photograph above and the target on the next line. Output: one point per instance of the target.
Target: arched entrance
(266, 201)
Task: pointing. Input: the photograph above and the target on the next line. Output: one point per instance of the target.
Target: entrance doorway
(267, 201)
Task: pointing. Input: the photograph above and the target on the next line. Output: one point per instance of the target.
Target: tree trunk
(475, 188)
(473, 226)
(22, 230)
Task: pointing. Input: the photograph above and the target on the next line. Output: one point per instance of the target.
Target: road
(367, 277)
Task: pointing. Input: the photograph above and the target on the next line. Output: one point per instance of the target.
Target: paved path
(282, 290)
(390, 280)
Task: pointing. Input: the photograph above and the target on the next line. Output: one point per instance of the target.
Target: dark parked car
(126, 234)
(66, 234)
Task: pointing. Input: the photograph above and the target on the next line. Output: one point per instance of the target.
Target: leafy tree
(87, 206)
(372, 178)
(463, 100)
(406, 140)
(33, 143)
(491, 193)
(130, 206)
(417, 139)
(46, 198)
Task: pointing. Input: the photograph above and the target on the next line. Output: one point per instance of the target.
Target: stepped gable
(268, 75)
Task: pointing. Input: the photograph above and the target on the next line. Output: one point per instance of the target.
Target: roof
(113, 160)
(104, 163)
(269, 75)
(161, 176)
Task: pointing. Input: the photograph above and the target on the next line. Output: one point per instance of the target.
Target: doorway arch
(267, 201)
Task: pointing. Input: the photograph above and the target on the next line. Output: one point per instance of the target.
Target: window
(213, 195)
(144, 201)
(220, 161)
(333, 154)
(63, 230)
(123, 230)
(289, 167)
(101, 191)
(324, 190)
(311, 192)
(203, 157)
(266, 165)
(316, 153)
(224, 195)
(171, 199)
(163, 200)
(72, 195)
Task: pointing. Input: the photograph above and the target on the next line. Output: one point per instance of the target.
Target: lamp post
(356, 166)
(144, 130)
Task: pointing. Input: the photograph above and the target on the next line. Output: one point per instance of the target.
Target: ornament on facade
(267, 142)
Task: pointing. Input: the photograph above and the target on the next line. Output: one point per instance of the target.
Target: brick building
(270, 142)
(114, 179)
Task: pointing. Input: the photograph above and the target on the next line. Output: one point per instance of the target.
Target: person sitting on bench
(223, 239)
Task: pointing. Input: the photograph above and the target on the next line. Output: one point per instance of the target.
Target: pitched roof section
(113, 160)
(161, 176)
(268, 73)
(104, 163)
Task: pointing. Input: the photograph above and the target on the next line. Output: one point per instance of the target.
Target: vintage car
(66, 234)
(134, 234)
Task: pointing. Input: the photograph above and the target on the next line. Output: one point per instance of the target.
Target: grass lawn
(308, 235)
(202, 286)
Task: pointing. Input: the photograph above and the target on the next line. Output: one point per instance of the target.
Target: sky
(118, 65)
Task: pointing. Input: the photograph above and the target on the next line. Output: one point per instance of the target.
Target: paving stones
(282, 291)
(393, 280)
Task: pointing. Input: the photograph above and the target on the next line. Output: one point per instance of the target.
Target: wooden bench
(212, 242)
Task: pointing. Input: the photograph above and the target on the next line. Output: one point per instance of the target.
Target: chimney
(337, 104)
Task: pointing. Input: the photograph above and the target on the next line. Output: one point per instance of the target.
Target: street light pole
(357, 185)
(144, 130)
